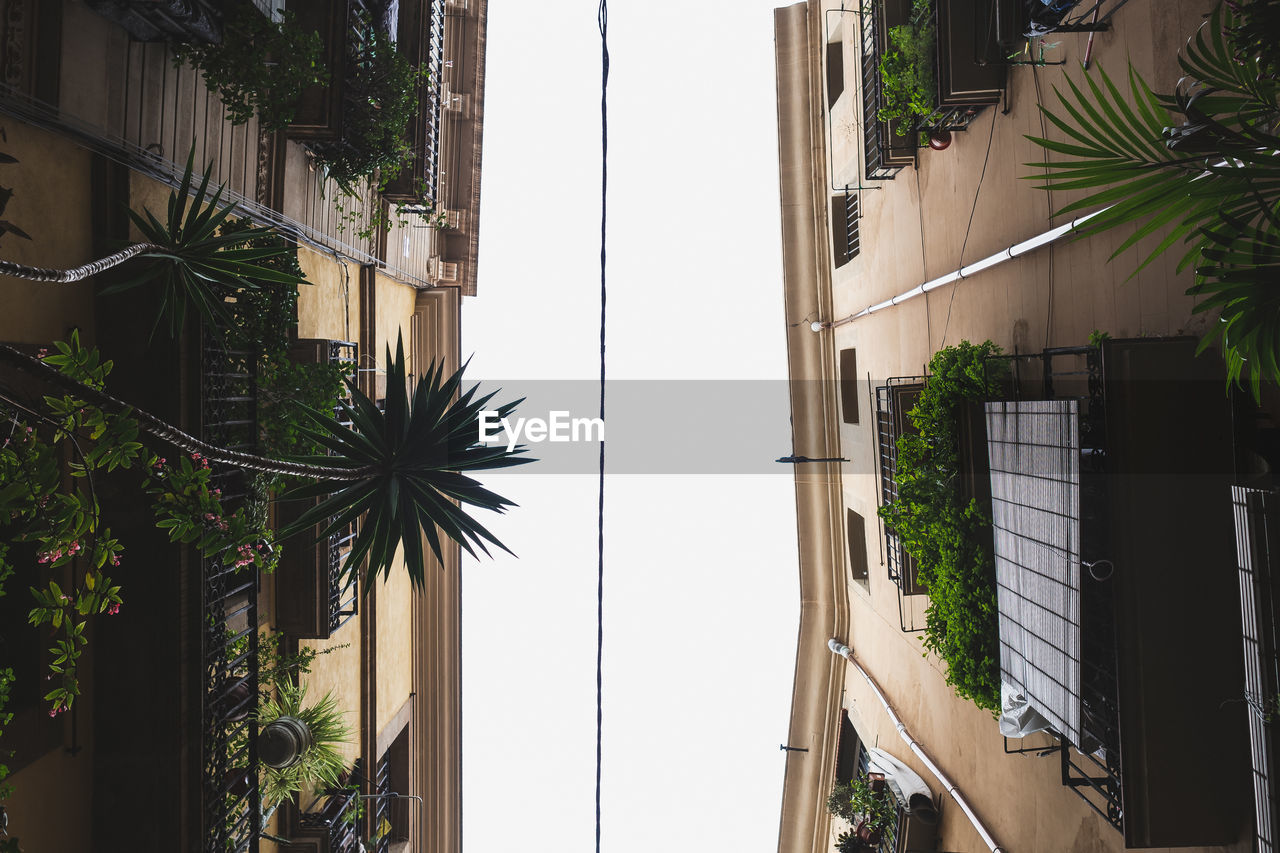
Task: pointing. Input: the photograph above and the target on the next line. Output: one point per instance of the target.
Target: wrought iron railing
(382, 809)
(344, 589)
(889, 835)
(229, 608)
(890, 418)
(336, 815)
(430, 152)
(1093, 768)
(875, 133)
(1257, 521)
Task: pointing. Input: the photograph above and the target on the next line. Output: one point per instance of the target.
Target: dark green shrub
(382, 95)
(946, 533)
(907, 68)
(260, 66)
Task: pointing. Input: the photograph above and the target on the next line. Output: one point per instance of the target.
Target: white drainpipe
(844, 651)
(1013, 251)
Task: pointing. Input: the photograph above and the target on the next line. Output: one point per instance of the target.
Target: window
(835, 71)
(844, 227)
(857, 536)
(893, 402)
(849, 385)
(393, 775)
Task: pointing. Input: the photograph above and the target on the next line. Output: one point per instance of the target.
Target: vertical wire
(602, 18)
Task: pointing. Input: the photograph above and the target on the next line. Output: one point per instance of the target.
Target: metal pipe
(1016, 250)
(844, 651)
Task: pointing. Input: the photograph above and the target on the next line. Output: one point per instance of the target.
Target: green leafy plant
(908, 89)
(191, 261)
(260, 66)
(1211, 182)
(946, 533)
(383, 94)
(6, 717)
(189, 509)
(321, 764)
(856, 801)
(60, 517)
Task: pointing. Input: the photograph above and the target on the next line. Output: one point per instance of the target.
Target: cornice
(819, 676)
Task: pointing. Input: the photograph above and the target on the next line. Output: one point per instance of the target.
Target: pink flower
(113, 609)
(53, 712)
(42, 352)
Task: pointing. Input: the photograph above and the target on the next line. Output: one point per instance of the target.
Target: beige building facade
(99, 119)
(865, 219)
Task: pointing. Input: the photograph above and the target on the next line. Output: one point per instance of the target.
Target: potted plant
(298, 744)
(866, 804)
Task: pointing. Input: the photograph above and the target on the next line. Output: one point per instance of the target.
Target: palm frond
(197, 265)
(1211, 182)
(419, 448)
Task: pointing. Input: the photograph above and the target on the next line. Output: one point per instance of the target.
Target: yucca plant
(1212, 180)
(193, 260)
(320, 764)
(411, 458)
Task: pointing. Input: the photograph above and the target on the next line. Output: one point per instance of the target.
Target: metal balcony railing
(1092, 769)
(229, 606)
(344, 588)
(889, 836)
(430, 150)
(893, 400)
(336, 816)
(876, 140)
(382, 808)
(1257, 521)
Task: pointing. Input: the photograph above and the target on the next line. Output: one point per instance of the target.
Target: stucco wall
(339, 671)
(329, 306)
(50, 202)
(395, 303)
(395, 649)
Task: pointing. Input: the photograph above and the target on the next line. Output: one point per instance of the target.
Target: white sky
(701, 596)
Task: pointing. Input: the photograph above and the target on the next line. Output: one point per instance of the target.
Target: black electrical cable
(990, 135)
(602, 19)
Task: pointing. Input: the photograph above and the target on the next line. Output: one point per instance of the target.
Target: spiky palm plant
(1212, 180)
(193, 260)
(412, 456)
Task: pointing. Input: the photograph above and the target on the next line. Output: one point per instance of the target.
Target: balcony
(229, 604)
(315, 596)
(1095, 458)
(1257, 519)
(968, 67)
(331, 823)
(894, 400)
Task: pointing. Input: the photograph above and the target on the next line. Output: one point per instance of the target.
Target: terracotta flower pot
(939, 140)
(867, 834)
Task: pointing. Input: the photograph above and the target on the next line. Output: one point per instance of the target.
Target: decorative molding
(441, 271)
